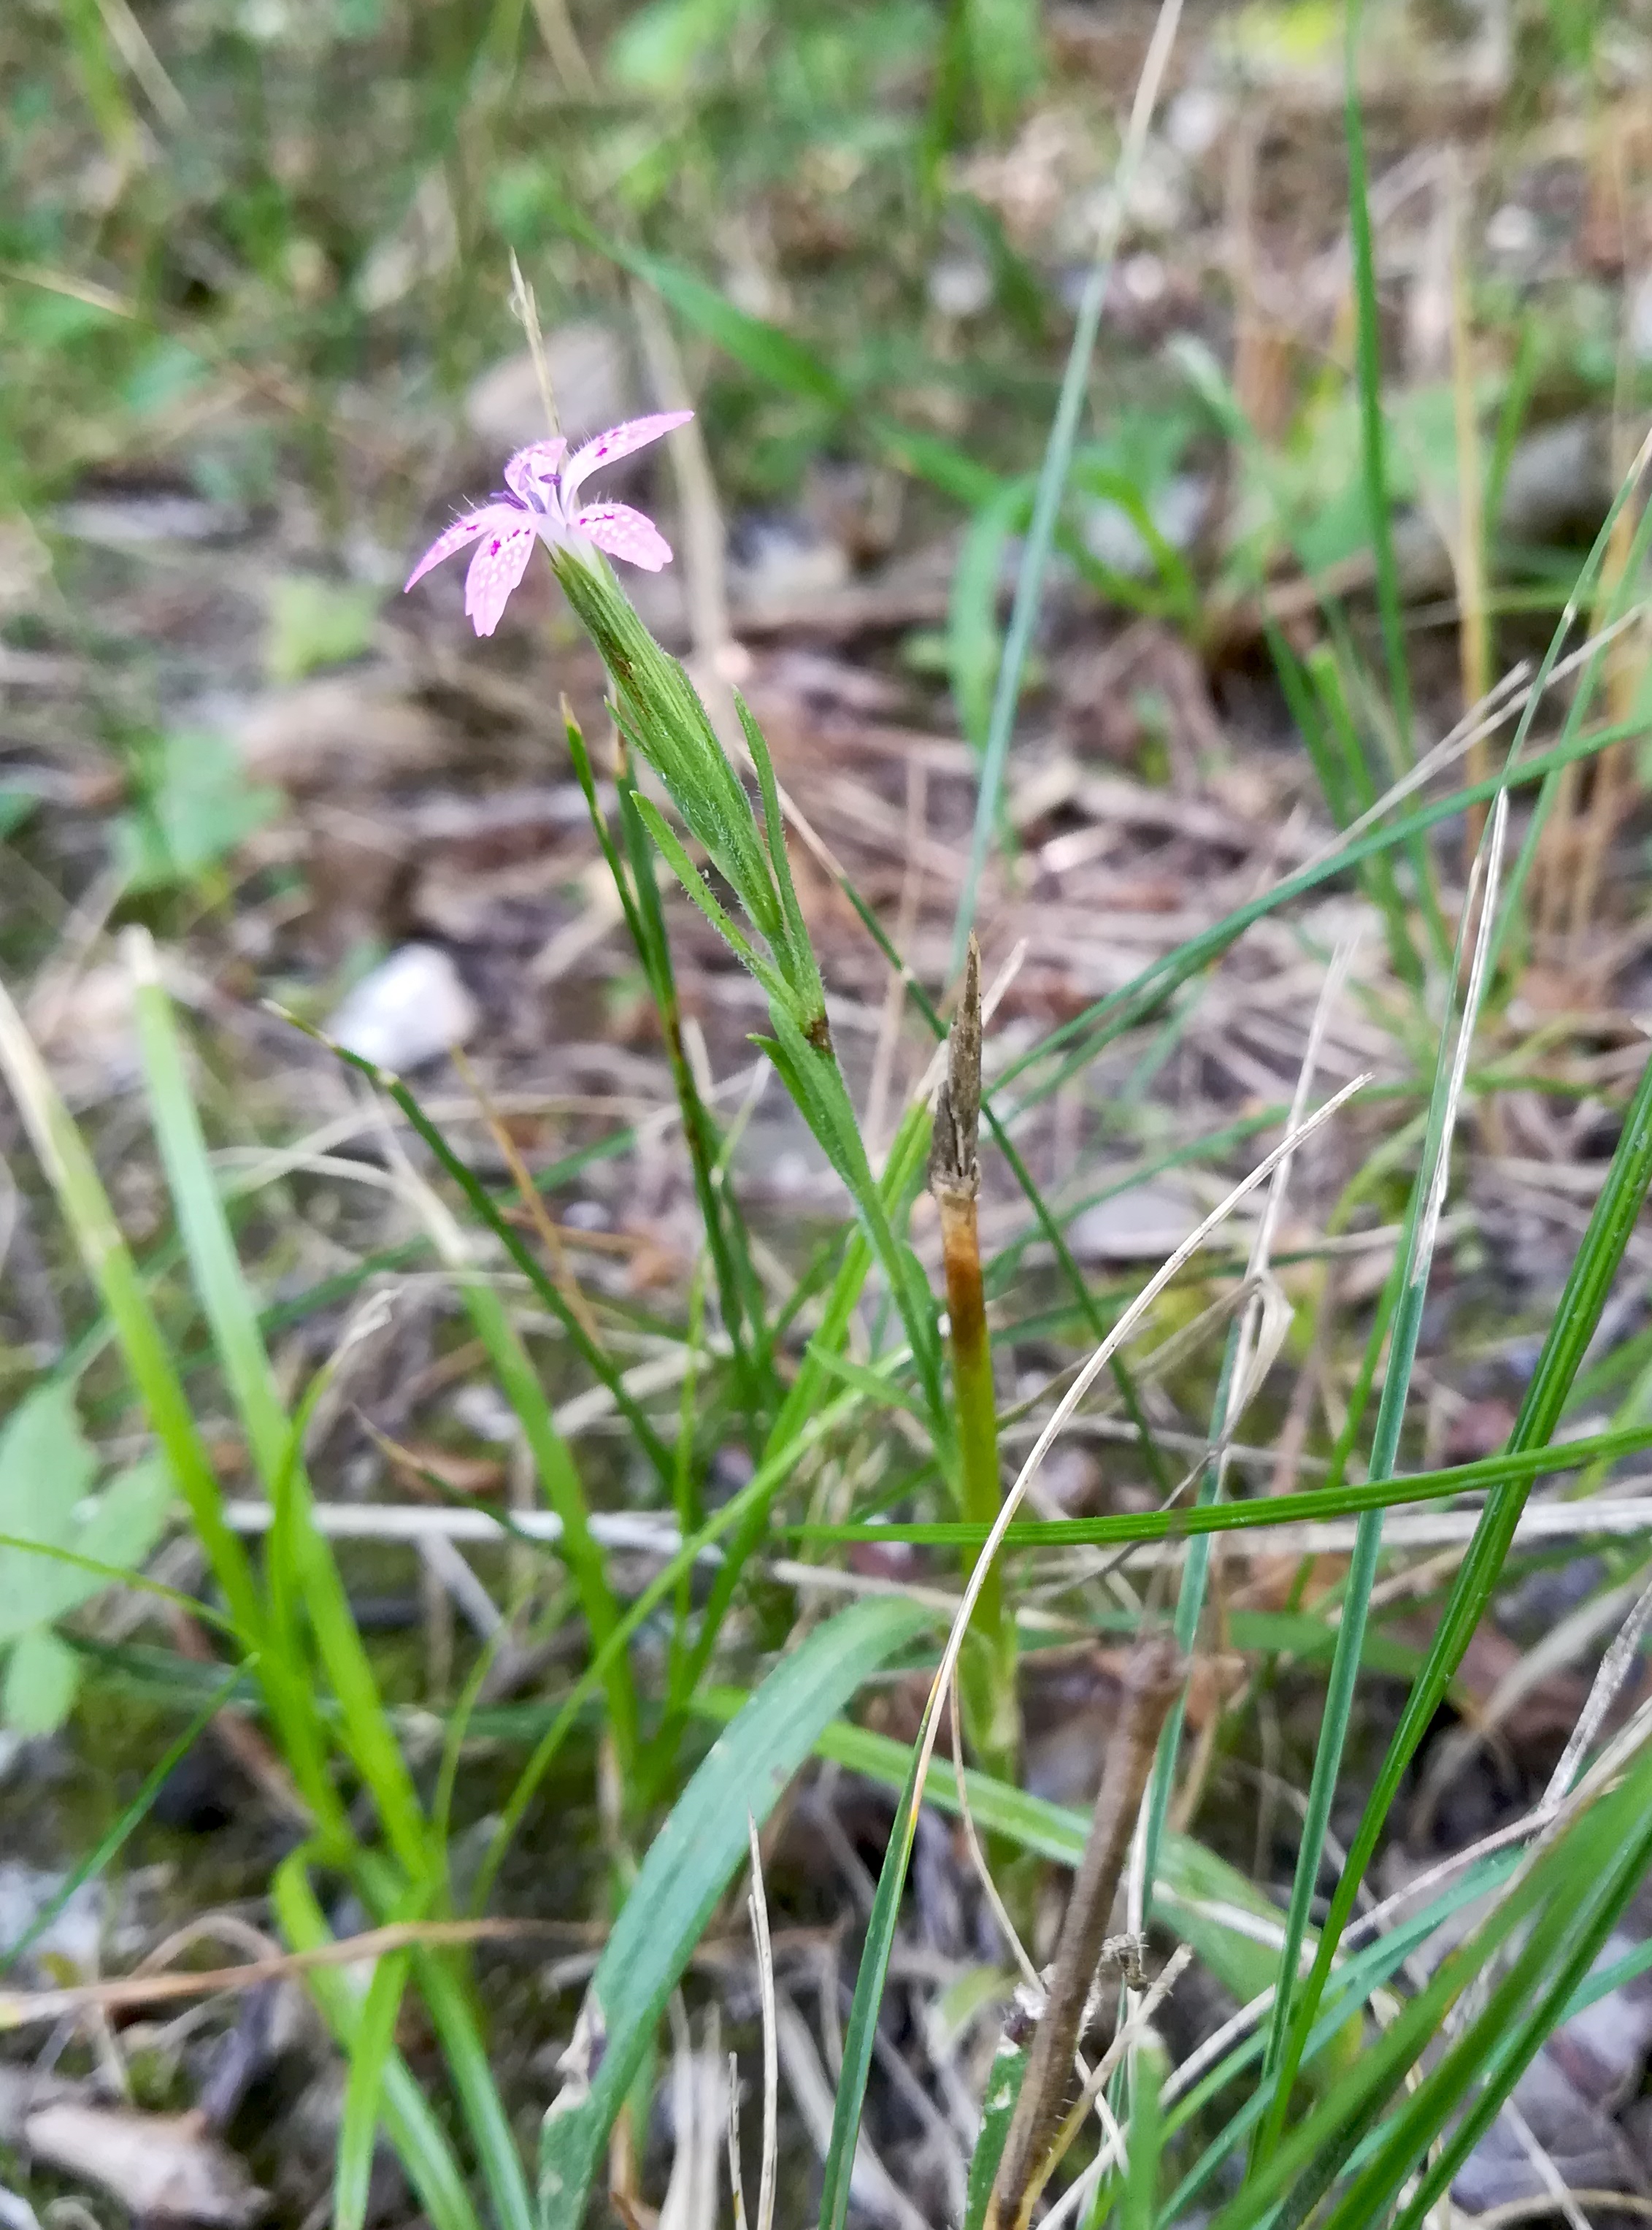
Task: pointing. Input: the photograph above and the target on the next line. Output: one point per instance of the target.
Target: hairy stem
(1153, 1681)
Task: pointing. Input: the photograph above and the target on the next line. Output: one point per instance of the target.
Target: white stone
(1514, 232)
(413, 1008)
(959, 286)
(1195, 120)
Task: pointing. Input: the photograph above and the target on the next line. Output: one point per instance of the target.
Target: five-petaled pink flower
(543, 505)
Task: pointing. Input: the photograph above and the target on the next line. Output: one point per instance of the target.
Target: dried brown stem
(1153, 1681)
(954, 1179)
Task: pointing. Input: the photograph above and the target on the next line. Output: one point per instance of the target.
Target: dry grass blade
(1615, 1669)
(1509, 699)
(996, 1906)
(1560, 1646)
(698, 2111)
(737, 2180)
(874, 2190)
(1542, 2204)
(1261, 1332)
(758, 1904)
(25, 2008)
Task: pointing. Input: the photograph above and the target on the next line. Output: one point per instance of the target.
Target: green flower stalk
(665, 724)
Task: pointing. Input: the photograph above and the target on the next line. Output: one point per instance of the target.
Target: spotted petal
(624, 533)
(618, 441)
(495, 571)
(492, 516)
(530, 471)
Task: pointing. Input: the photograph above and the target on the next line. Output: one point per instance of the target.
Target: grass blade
(1372, 441)
(275, 1445)
(1110, 1017)
(692, 1861)
(420, 2144)
(1577, 1315)
(1423, 1224)
(108, 1261)
(368, 2057)
(488, 1213)
(133, 1815)
(880, 1935)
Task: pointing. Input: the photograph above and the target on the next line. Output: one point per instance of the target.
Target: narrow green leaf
(695, 886)
(974, 644)
(1417, 1254)
(1516, 1465)
(275, 1444)
(1139, 2198)
(86, 1205)
(688, 1867)
(369, 2055)
(1368, 352)
(456, 2018)
(413, 2128)
(739, 1290)
(1004, 2080)
(581, 1552)
(1577, 1315)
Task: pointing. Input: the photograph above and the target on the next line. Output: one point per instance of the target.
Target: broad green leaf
(689, 1866)
(315, 623)
(196, 805)
(41, 1675)
(123, 1523)
(46, 1468)
(1194, 1889)
(661, 48)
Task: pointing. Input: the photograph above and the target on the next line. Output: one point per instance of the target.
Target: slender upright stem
(954, 1179)
(1153, 1681)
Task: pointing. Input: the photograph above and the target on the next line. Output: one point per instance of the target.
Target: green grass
(240, 268)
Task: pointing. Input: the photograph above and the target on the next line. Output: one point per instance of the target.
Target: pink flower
(543, 505)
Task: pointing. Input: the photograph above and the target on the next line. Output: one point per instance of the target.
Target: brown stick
(20, 2008)
(1153, 1681)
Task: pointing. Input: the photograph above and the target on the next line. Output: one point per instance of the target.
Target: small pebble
(1514, 232)
(413, 1008)
(959, 286)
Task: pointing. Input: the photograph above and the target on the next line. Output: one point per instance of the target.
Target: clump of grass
(1327, 2091)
